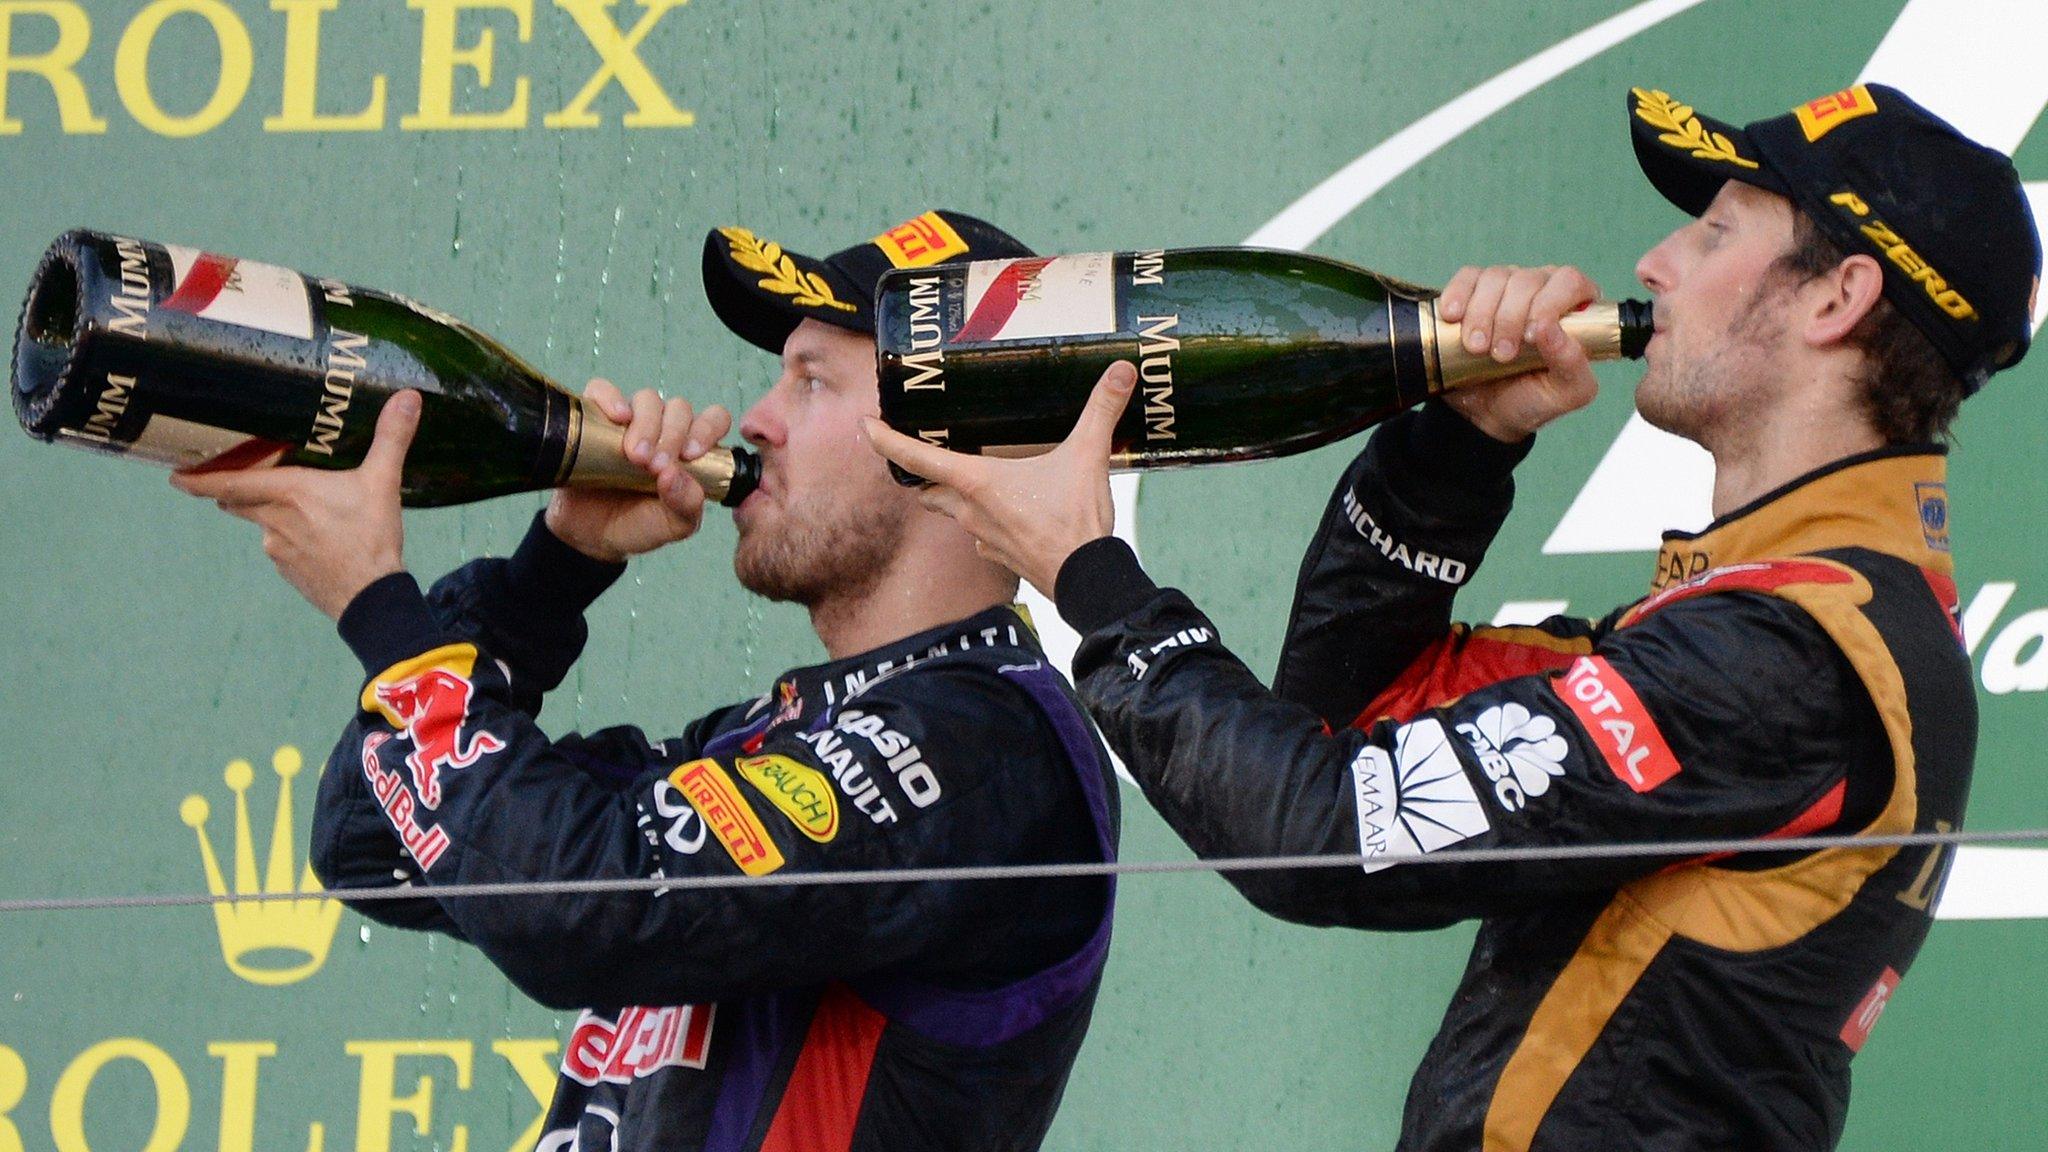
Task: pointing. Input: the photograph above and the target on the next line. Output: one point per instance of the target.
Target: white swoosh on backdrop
(1975, 54)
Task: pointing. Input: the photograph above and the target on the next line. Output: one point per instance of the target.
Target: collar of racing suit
(1892, 500)
(805, 691)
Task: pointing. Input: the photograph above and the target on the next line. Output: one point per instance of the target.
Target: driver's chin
(1668, 407)
(763, 564)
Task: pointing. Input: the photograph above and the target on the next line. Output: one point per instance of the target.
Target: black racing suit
(1797, 670)
(941, 1015)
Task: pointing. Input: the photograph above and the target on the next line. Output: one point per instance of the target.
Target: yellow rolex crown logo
(271, 942)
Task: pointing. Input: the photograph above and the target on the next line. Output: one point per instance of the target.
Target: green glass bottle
(1242, 353)
(206, 362)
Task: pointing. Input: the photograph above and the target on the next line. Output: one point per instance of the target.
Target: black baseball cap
(1944, 216)
(763, 291)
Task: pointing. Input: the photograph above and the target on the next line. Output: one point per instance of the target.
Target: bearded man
(940, 1015)
(1855, 269)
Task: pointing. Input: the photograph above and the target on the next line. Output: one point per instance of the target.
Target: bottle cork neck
(597, 459)
(1600, 328)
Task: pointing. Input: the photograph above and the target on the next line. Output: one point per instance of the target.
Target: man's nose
(762, 426)
(1654, 269)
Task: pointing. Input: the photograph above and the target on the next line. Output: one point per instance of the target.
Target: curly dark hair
(1909, 392)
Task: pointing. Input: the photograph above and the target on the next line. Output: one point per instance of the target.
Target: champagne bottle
(206, 362)
(1242, 353)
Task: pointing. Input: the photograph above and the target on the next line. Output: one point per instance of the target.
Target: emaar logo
(1416, 800)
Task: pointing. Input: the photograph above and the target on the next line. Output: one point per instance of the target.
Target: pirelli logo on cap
(731, 819)
(1819, 117)
(923, 240)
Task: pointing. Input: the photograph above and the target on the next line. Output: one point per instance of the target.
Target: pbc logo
(1819, 117)
(429, 708)
(640, 1043)
(925, 240)
(1519, 751)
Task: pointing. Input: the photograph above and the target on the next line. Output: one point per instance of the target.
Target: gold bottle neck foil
(597, 458)
(1597, 328)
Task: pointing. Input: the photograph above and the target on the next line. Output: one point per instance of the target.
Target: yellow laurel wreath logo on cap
(780, 273)
(1680, 128)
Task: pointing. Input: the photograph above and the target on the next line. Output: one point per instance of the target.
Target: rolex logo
(271, 942)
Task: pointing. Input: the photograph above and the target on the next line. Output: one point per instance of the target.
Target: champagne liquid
(205, 362)
(1241, 353)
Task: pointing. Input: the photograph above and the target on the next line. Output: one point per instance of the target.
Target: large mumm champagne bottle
(206, 362)
(1242, 353)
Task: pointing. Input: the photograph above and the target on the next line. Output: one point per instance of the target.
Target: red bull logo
(789, 705)
(426, 842)
(427, 700)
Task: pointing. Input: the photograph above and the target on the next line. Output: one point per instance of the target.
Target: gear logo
(1518, 750)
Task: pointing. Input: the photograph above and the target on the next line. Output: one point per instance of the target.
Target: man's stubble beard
(818, 554)
(1710, 395)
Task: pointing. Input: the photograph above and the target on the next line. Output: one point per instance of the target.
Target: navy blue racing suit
(897, 1015)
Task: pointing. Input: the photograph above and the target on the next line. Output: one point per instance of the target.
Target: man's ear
(1838, 300)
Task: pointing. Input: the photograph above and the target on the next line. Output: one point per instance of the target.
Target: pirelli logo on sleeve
(731, 819)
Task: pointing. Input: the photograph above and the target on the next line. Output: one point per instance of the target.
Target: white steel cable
(1683, 849)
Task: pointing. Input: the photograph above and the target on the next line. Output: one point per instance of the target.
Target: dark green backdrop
(148, 644)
